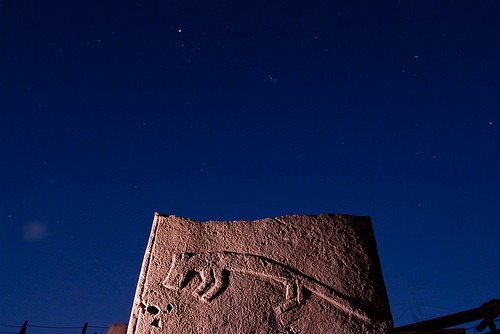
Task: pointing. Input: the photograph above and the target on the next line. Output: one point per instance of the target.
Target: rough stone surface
(117, 328)
(291, 274)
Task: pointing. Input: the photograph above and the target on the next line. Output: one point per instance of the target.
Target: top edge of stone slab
(322, 215)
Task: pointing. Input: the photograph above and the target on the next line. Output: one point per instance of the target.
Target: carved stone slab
(291, 274)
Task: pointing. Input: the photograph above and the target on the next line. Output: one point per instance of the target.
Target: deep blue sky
(215, 110)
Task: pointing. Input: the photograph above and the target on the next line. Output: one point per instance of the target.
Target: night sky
(224, 110)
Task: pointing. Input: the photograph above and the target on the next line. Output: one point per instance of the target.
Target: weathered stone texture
(291, 274)
(117, 328)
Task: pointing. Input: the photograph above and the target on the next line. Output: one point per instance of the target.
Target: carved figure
(211, 265)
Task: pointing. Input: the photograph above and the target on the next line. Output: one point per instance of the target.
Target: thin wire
(473, 328)
(50, 327)
(55, 327)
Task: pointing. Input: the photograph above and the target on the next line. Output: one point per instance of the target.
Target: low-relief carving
(213, 266)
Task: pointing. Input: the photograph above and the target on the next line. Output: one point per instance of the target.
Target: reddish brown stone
(117, 328)
(292, 274)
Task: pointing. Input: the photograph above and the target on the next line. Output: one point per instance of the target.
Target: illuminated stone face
(291, 274)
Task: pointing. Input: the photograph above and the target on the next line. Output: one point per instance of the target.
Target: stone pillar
(117, 328)
(291, 274)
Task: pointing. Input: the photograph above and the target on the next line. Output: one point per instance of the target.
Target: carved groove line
(210, 266)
